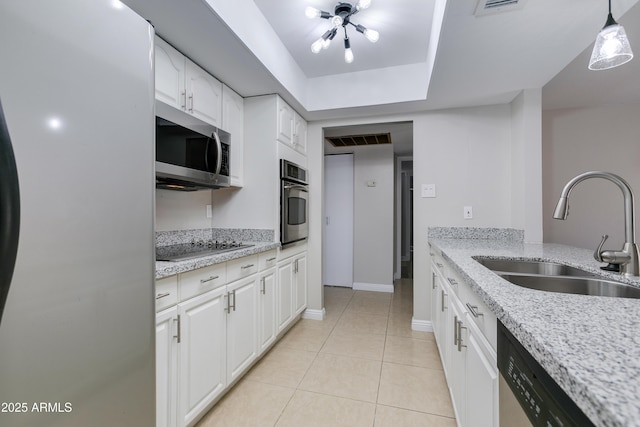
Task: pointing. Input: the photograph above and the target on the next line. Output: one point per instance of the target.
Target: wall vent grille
(489, 7)
(360, 140)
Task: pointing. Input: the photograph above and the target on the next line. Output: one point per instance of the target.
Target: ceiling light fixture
(341, 18)
(612, 46)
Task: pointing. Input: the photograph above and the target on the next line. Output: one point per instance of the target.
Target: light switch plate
(428, 190)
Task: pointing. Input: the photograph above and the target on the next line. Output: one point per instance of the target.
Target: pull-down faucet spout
(627, 258)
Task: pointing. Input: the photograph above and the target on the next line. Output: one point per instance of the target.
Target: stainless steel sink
(574, 285)
(532, 267)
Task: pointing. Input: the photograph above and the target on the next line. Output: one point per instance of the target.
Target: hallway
(361, 366)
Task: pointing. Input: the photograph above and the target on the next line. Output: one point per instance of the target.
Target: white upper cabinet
(299, 133)
(292, 128)
(183, 85)
(285, 123)
(204, 95)
(170, 75)
(233, 122)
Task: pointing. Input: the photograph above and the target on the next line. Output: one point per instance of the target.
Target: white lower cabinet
(466, 348)
(242, 325)
(166, 367)
(213, 323)
(202, 361)
(267, 283)
(284, 294)
(300, 282)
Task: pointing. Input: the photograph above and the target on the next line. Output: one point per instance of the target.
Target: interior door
(338, 220)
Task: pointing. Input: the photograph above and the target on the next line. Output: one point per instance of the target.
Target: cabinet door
(202, 370)
(267, 308)
(285, 123)
(232, 122)
(170, 75)
(444, 334)
(482, 384)
(300, 276)
(300, 133)
(166, 367)
(242, 325)
(285, 294)
(457, 372)
(435, 291)
(204, 95)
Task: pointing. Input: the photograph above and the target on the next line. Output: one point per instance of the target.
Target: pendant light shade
(612, 47)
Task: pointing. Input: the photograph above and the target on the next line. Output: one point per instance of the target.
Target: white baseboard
(314, 314)
(421, 325)
(375, 287)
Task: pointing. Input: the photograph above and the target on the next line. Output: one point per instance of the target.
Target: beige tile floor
(361, 366)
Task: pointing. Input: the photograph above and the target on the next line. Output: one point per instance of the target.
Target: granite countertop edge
(166, 268)
(590, 345)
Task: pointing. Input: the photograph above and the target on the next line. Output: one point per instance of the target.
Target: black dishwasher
(539, 396)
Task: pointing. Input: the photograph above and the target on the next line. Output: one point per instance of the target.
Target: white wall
(176, 210)
(579, 140)
(465, 152)
(526, 164)
(373, 214)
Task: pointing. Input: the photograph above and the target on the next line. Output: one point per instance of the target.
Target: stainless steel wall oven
(294, 203)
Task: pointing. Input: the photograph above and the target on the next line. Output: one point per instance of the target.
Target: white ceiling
(432, 54)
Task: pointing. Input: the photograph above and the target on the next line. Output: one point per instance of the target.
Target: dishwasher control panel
(541, 398)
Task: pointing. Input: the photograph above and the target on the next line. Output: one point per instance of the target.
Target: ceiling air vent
(360, 140)
(490, 7)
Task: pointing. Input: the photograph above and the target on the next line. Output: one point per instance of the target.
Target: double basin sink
(554, 277)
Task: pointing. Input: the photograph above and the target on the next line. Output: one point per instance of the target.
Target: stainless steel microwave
(190, 154)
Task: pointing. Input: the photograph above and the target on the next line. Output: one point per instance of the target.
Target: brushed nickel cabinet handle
(191, 98)
(271, 259)
(460, 328)
(202, 281)
(234, 299)
(184, 100)
(262, 289)
(244, 267)
(439, 265)
(473, 309)
(178, 336)
(159, 296)
(455, 330)
(453, 282)
(442, 306)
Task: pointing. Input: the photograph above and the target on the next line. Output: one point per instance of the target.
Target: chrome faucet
(627, 258)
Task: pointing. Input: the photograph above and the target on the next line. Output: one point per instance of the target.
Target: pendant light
(611, 47)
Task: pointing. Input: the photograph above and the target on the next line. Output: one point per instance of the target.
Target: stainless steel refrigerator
(76, 215)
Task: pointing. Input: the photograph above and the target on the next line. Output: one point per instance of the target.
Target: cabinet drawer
(199, 281)
(480, 314)
(267, 260)
(166, 292)
(242, 267)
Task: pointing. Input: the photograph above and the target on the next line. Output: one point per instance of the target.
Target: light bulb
(312, 12)
(326, 43)
(317, 45)
(371, 35)
(348, 55)
(336, 21)
(363, 4)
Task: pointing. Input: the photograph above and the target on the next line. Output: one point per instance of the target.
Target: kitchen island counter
(590, 345)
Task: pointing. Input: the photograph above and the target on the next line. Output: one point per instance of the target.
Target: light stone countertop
(166, 268)
(590, 345)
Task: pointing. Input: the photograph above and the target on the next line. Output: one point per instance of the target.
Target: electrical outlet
(428, 190)
(468, 212)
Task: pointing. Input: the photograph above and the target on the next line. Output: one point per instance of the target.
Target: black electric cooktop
(196, 250)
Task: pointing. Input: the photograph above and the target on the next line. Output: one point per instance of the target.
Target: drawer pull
(473, 309)
(442, 306)
(460, 328)
(271, 259)
(453, 282)
(262, 289)
(244, 267)
(209, 279)
(163, 295)
(439, 265)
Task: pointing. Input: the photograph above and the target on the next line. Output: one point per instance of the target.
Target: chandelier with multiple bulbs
(341, 18)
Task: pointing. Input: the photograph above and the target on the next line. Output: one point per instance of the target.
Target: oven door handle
(296, 187)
